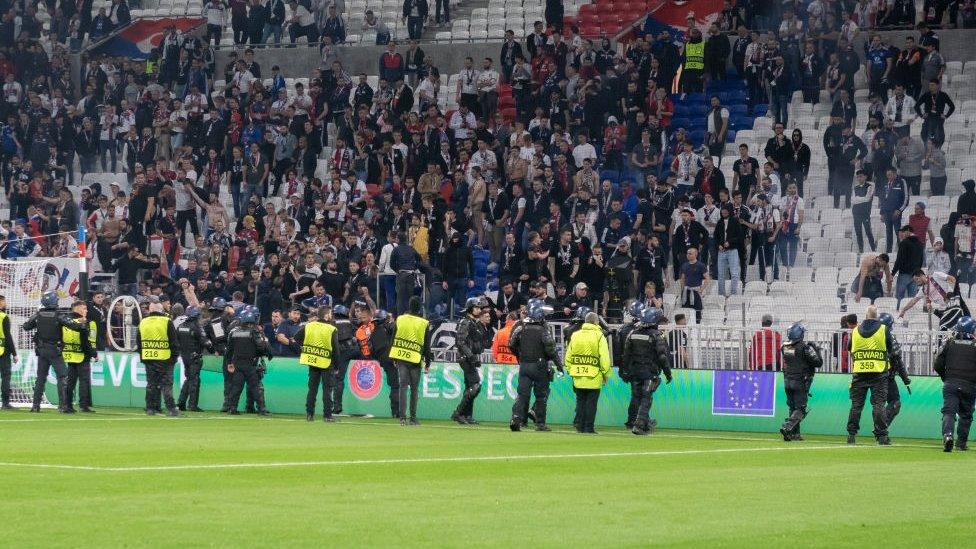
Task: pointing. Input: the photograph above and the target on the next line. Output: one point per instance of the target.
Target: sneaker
(947, 444)
(309, 417)
(414, 422)
(87, 410)
(458, 418)
(962, 446)
(403, 422)
(542, 427)
(471, 421)
(884, 441)
(851, 439)
(787, 436)
(515, 425)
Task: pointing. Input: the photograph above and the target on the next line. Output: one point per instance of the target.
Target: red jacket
(765, 353)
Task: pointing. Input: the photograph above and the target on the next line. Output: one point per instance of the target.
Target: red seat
(508, 113)
(505, 101)
(504, 90)
(372, 189)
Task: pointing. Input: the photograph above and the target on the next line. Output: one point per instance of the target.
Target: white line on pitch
(124, 417)
(394, 461)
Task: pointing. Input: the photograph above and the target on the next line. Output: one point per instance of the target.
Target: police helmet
(192, 311)
(381, 315)
(218, 304)
(651, 315)
(635, 310)
(966, 326)
(534, 302)
(581, 313)
(471, 303)
(538, 311)
(340, 310)
(796, 332)
(250, 315)
(886, 319)
(49, 300)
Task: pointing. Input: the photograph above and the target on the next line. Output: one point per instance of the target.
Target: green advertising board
(697, 399)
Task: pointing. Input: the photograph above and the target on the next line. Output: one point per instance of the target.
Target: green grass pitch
(121, 479)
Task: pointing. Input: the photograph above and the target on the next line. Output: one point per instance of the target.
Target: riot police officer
(956, 365)
(471, 341)
(217, 328)
(48, 342)
(575, 322)
(193, 341)
(158, 348)
(532, 344)
(317, 339)
(635, 312)
(347, 350)
(78, 351)
(246, 345)
(8, 355)
(870, 342)
(897, 363)
(802, 358)
(646, 357)
(379, 341)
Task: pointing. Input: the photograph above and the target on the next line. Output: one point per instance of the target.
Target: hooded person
(870, 345)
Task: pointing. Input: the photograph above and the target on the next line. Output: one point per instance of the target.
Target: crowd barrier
(721, 400)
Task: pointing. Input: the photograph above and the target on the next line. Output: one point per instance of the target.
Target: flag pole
(82, 263)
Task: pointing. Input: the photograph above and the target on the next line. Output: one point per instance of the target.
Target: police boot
(403, 422)
(947, 443)
(196, 409)
(471, 421)
(414, 422)
(787, 434)
(87, 410)
(961, 445)
(883, 440)
(796, 433)
(173, 412)
(542, 427)
(516, 424)
(181, 407)
(456, 417)
(309, 417)
(263, 412)
(35, 409)
(6, 406)
(641, 428)
(851, 439)
(531, 416)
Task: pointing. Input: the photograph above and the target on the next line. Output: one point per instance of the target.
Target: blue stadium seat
(738, 96)
(699, 123)
(612, 175)
(730, 136)
(737, 110)
(699, 110)
(761, 109)
(697, 137)
(680, 123)
(740, 122)
(693, 98)
(682, 110)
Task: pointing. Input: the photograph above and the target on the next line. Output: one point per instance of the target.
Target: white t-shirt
(582, 152)
(936, 290)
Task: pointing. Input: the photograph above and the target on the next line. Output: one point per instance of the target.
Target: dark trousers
(958, 398)
(405, 283)
(641, 400)
(797, 393)
(934, 128)
(533, 377)
(45, 361)
(338, 369)
(843, 179)
(79, 374)
(408, 377)
(5, 379)
(762, 250)
(239, 25)
(159, 380)
(860, 385)
(250, 403)
(190, 392)
(938, 185)
(246, 373)
(893, 402)
(442, 11)
(415, 27)
(228, 382)
(862, 224)
(586, 401)
(472, 388)
(393, 382)
(183, 218)
(891, 231)
(325, 378)
(914, 184)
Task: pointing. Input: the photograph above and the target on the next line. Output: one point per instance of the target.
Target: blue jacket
(894, 198)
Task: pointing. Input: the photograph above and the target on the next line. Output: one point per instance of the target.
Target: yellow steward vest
(317, 346)
(154, 338)
(3, 341)
(72, 352)
(695, 55)
(869, 354)
(408, 339)
(583, 354)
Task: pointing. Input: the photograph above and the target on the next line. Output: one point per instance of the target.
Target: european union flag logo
(740, 393)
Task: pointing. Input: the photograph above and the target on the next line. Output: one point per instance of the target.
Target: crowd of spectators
(506, 191)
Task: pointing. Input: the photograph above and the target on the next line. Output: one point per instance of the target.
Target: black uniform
(217, 329)
(619, 338)
(47, 345)
(245, 346)
(193, 341)
(471, 341)
(801, 360)
(893, 400)
(159, 373)
(532, 344)
(348, 349)
(956, 365)
(380, 341)
(9, 351)
(876, 382)
(96, 313)
(646, 357)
